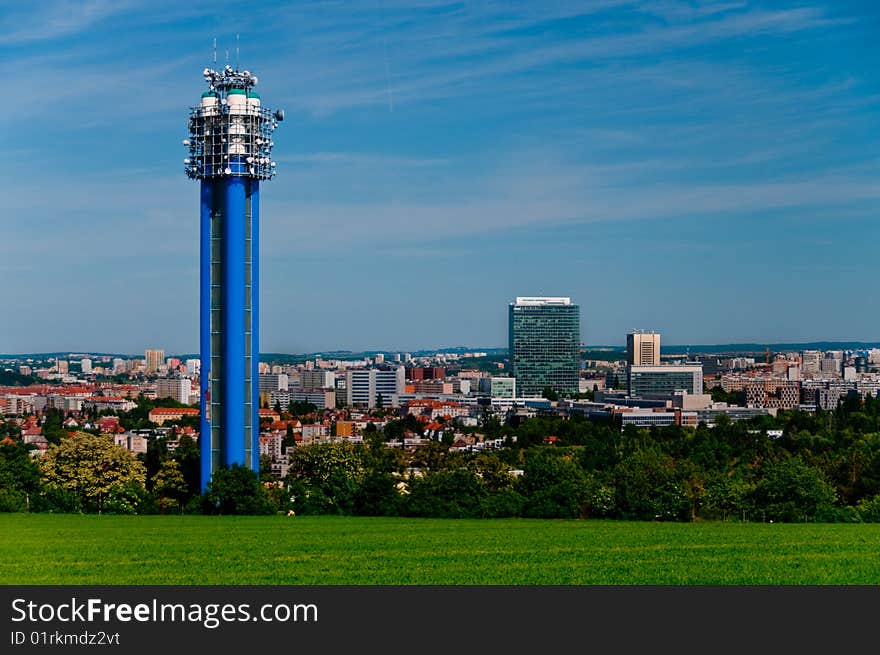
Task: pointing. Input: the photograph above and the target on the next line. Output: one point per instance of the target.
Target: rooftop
(542, 300)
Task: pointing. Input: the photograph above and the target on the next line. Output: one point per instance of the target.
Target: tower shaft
(229, 325)
(230, 152)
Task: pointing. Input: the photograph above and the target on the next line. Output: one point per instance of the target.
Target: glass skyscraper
(545, 338)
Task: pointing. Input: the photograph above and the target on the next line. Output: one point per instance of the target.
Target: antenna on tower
(215, 51)
(237, 61)
(227, 56)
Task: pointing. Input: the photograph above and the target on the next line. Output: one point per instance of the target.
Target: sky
(709, 170)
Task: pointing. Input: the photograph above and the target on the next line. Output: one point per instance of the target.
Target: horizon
(449, 349)
(706, 169)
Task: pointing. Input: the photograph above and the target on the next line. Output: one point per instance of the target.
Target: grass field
(72, 549)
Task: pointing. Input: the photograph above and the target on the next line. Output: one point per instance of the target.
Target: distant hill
(594, 351)
(13, 379)
(774, 347)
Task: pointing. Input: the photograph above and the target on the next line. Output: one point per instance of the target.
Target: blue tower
(230, 152)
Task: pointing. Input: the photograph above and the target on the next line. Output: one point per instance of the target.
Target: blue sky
(706, 169)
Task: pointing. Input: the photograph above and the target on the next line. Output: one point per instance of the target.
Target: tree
(650, 486)
(236, 490)
(19, 476)
(869, 509)
(98, 472)
(189, 458)
(554, 485)
(325, 478)
(433, 456)
(289, 438)
(728, 495)
(791, 490)
(377, 495)
(300, 408)
(446, 494)
(266, 468)
(550, 394)
(157, 453)
(719, 395)
(169, 484)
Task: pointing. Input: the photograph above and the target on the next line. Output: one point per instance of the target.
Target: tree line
(824, 467)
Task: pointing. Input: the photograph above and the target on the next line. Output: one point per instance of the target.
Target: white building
(364, 386)
(643, 349)
(502, 387)
(321, 379)
(322, 399)
(270, 382)
(312, 432)
(645, 381)
(179, 389)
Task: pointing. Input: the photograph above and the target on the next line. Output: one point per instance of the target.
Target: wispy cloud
(44, 21)
(431, 56)
(540, 190)
(515, 123)
(359, 159)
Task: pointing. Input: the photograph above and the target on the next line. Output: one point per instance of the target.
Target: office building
(502, 387)
(544, 343)
(153, 359)
(643, 348)
(322, 399)
(830, 366)
(426, 373)
(230, 153)
(364, 386)
(273, 382)
(652, 381)
(179, 389)
(309, 380)
(811, 361)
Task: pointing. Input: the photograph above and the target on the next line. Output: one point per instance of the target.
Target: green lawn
(56, 549)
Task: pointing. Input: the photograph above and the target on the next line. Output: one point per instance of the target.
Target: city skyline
(706, 170)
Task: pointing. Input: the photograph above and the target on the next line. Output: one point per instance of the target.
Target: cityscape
(437, 293)
(545, 371)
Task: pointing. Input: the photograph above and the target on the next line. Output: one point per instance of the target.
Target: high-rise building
(426, 373)
(544, 344)
(230, 152)
(153, 359)
(364, 386)
(86, 366)
(311, 380)
(643, 348)
(273, 382)
(178, 389)
(811, 360)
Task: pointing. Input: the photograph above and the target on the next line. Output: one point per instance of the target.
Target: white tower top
(542, 300)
